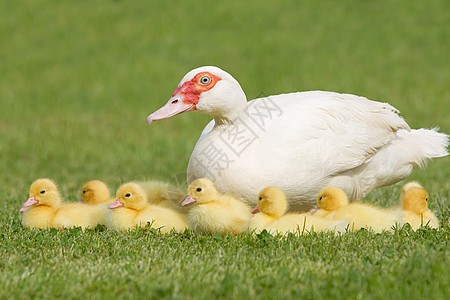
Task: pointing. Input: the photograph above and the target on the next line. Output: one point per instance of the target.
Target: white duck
(300, 142)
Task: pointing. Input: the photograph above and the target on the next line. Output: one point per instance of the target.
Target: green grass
(79, 78)
(140, 263)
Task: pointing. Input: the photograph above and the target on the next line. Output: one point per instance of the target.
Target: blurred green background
(78, 79)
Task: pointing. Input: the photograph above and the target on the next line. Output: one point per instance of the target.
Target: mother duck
(300, 142)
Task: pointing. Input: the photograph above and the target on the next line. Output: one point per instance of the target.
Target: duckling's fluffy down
(225, 216)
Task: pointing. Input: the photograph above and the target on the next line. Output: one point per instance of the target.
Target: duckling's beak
(314, 210)
(189, 200)
(173, 107)
(31, 201)
(115, 204)
(255, 210)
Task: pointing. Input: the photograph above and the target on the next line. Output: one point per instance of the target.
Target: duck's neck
(237, 114)
(55, 204)
(43, 207)
(226, 105)
(268, 218)
(139, 206)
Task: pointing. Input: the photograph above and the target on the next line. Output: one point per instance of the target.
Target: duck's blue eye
(205, 80)
(199, 189)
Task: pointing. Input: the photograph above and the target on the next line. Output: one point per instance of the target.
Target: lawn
(80, 77)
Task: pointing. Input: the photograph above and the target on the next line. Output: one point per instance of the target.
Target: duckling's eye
(127, 195)
(426, 199)
(205, 80)
(260, 198)
(42, 192)
(320, 198)
(199, 189)
(84, 192)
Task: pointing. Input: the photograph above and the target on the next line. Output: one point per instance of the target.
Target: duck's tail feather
(395, 161)
(423, 144)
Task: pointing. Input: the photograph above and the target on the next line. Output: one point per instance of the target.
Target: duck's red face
(186, 96)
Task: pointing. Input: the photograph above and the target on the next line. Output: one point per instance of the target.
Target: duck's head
(94, 192)
(201, 191)
(208, 90)
(130, 195)
(43, 191)
(407, 186)
(415, 199)
(271, 201)
(331, 198)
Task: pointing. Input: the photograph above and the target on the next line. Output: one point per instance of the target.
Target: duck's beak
(115, 204)
(189, 200)
(174, 106)
(31, 201)
(314, 210)
(255, 210)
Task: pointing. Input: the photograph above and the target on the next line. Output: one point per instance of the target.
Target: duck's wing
(341, 131)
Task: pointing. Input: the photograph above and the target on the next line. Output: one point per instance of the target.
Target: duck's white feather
(304, 141)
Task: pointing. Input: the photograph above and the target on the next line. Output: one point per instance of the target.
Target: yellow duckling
(272, 205)
(164, 194)
(270, 214)
(414, 199)
(95, 192)
(214, 212)
(332, 203)
(96, 195)
(408, 186)
(131, 210)
(44, 209)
